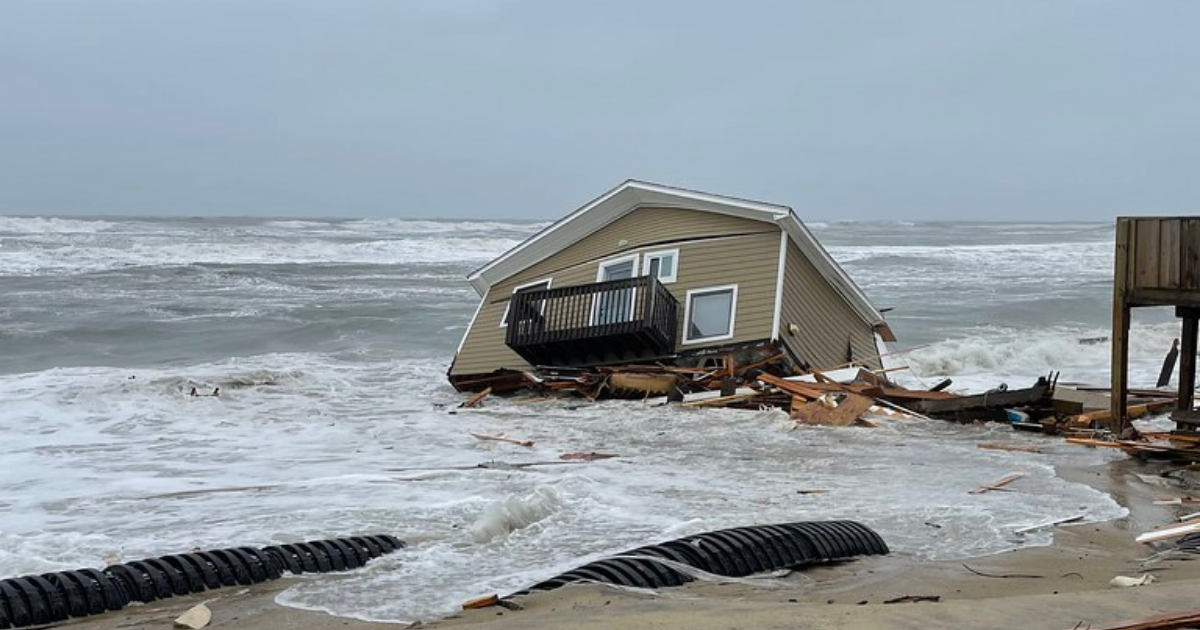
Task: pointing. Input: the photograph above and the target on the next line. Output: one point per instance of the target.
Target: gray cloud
(1031, 109)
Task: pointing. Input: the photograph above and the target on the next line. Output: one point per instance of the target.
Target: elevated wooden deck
(1157, 264)
(593, 324)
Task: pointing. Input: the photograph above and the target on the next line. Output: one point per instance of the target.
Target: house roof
(633, 194)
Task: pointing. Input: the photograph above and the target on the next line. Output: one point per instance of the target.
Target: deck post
(1120, 329)
(1187, 358)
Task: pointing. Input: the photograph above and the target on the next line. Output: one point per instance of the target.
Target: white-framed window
(709, 314)
(536, 285)
(663, 265)
(616, 305)
(617, 268)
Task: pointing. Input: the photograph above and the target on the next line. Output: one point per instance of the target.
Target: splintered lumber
(1167, 532)
(1053, 523)
(1190, 439)
(825, 412)
(796, 389)
(1141, 448)
(742, 369)
(721, 401)
(1041, 391)
(1010, 447)
(476, 399)
(998, 484)
(586, 457)
(1159, 622)
(643, 382)
(501, 438)
(1134, 412)
(1093, 442)
(1178, 501)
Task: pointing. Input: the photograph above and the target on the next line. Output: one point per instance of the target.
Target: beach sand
(1065, 585)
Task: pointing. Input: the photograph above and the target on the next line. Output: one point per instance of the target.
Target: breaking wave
(52, 225)
(513, 513)
(1081, 354)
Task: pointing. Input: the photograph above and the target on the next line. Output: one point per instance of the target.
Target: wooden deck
(593, 324)
(1157, 263)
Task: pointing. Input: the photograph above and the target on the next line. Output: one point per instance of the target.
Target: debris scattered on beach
(195, 618)
(912, 599)
(1125, 581)
(1054, 523)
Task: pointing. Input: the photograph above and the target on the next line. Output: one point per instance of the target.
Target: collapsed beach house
(648, 274)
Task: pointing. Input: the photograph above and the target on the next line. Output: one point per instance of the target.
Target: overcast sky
(852, 109)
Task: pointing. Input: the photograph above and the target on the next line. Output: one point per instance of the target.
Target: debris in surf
(586, 457)
(475, 400)
(999, 484)
(501, 438)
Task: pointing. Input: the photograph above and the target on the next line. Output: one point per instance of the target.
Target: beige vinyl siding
(748, 258)
(826, 321)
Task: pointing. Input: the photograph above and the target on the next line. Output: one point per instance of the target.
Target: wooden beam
(1187, 360)
(1120, 326)
(1161, 622)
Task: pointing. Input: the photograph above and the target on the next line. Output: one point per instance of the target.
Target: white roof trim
(833, 272)
(633, 194)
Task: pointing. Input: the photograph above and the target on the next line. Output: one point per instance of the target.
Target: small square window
(663, 265)
(710, 314)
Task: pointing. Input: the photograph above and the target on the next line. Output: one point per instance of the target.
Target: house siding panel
(748, 260)
(826, 322)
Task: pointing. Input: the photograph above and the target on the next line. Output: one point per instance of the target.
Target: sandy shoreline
(1056, 586)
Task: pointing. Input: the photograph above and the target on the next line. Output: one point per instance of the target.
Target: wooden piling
(1120, 327)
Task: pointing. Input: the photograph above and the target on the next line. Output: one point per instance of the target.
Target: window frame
(662, 253)
(687, 313)
(636, 258)
(548, 281)
(619, 259)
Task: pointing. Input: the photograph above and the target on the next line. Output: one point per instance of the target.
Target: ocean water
(329, 341)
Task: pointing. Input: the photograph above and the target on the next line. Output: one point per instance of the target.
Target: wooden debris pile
(763, 377)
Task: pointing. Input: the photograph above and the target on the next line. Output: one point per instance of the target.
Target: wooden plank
(1145, 254)
(1189, 253)
(1093, 443)
(721, 401)
(501, 438)
(1010, 447)
(1119, 370)
(1169, 255)
(998, 484)
(476, 399)
(1167, 532)
(1092, 418)
(791, 387)
(1159, 622)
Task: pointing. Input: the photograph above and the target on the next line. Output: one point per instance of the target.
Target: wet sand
(1065, 585)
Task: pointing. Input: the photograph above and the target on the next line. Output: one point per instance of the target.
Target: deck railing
(633, 306)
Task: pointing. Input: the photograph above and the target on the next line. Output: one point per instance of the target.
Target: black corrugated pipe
(736, 552)
(53, 597)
